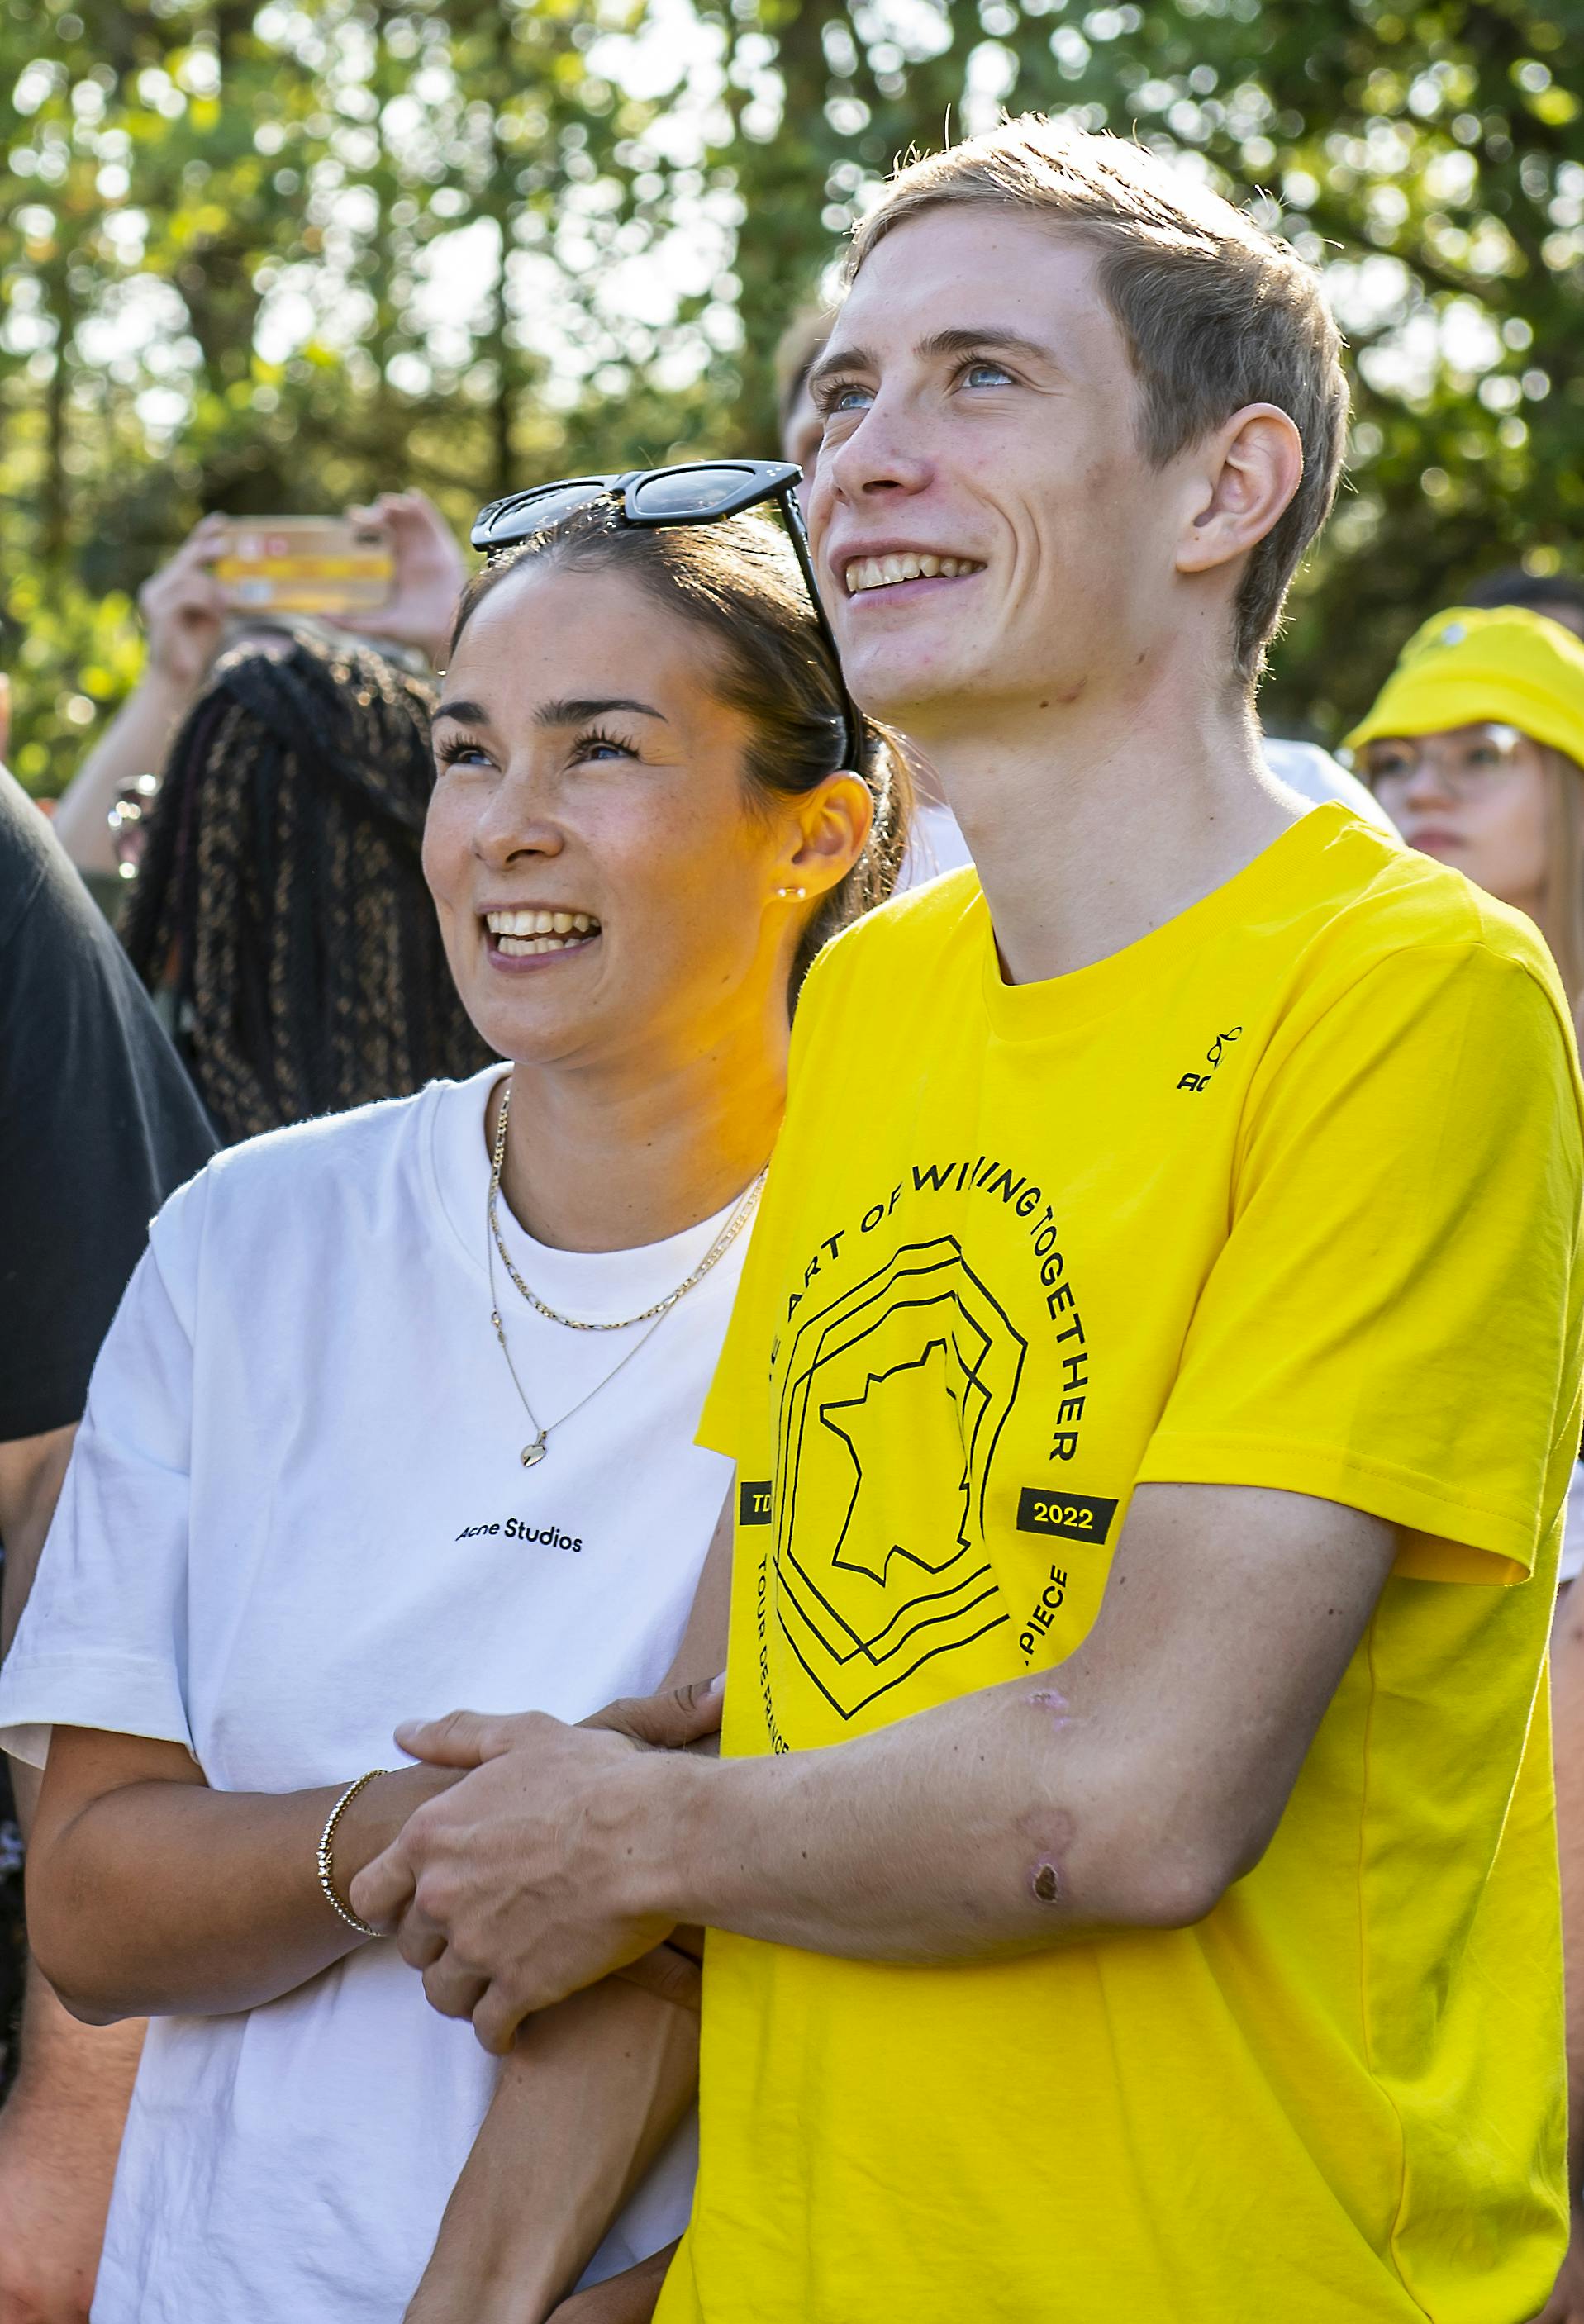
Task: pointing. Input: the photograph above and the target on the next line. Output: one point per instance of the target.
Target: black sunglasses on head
(695, 491)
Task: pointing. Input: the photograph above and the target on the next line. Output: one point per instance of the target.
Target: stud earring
(795, 894)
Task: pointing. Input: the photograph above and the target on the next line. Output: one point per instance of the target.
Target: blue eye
(845, 395)
(601, 747)
(974, 374)
(460, 751)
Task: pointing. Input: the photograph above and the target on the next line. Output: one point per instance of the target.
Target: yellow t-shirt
(1285, 1195)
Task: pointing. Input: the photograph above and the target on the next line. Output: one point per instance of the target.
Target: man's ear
(834, 822)
(1243, 476)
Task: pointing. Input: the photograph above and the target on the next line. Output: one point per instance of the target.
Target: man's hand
(510, 1891)
(184, 612)
(430, 576)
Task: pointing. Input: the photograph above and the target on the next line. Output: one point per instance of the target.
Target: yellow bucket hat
(1468, 667)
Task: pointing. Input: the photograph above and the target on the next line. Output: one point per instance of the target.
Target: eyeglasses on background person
(692, 492)
(1475, 747)
(1465, 762)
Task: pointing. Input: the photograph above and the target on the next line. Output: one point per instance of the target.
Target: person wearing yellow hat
(1474, 748)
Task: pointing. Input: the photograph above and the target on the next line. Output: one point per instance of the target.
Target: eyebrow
(576, 711)
(955, 342)
(569, 712)
(963, 343)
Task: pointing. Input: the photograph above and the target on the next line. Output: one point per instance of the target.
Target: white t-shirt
(296, 1513)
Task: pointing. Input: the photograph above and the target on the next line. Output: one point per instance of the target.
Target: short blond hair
(1215, 312)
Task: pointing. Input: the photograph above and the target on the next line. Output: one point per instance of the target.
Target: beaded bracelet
(322, 1857)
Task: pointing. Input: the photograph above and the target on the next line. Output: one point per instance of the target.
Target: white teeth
(517, 934)
(885, 572)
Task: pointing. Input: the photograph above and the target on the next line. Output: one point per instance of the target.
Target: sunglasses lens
(519, 520)
(696, 492)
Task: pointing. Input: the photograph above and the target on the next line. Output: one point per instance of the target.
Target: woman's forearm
(150, 1894)
(133, 743)
(584, 2104)
(585, 2099)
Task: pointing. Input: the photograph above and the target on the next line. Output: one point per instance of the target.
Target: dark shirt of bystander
(98, 1123)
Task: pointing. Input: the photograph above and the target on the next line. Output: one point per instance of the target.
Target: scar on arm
(1050, 1831)
(1046, 1698)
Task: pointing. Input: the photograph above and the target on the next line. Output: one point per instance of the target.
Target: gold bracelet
(322, 1858)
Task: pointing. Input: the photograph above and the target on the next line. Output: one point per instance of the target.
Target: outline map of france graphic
(922, 1358)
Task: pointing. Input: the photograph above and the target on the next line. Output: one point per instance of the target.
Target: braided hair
(281, 891)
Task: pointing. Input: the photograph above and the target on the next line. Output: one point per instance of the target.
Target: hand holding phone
(430, 571)
(184, 612)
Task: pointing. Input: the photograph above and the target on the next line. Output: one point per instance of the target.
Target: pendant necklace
(538, 1444)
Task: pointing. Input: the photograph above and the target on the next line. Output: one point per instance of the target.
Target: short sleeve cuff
(117, 1694)
(720, 1422)
(1446, 1537)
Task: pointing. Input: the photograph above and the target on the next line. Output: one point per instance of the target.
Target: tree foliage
(281, 256)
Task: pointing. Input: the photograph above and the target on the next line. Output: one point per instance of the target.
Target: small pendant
(533, 1454)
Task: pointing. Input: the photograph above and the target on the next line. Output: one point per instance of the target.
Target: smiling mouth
(885, 572)
(516, 936)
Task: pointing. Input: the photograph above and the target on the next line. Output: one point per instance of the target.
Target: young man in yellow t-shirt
(1153, 1389)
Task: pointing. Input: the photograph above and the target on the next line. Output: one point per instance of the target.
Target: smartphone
(303, 564)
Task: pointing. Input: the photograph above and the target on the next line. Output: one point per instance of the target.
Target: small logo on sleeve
(1074, 1517)
(1213, 1057)
(754, 1504)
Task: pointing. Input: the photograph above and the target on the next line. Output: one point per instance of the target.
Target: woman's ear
(832, 824)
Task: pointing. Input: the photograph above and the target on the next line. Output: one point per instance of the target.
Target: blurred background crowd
(277, 257)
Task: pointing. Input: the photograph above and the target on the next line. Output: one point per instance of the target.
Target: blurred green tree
(282, 255)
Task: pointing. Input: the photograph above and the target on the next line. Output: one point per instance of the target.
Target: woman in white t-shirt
(398, 1413)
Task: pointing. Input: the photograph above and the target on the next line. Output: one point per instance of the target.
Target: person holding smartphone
(188, 617)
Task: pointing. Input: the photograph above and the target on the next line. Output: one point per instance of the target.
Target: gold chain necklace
(534, 1451)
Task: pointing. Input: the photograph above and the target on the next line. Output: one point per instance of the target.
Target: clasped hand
(520, 1884)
